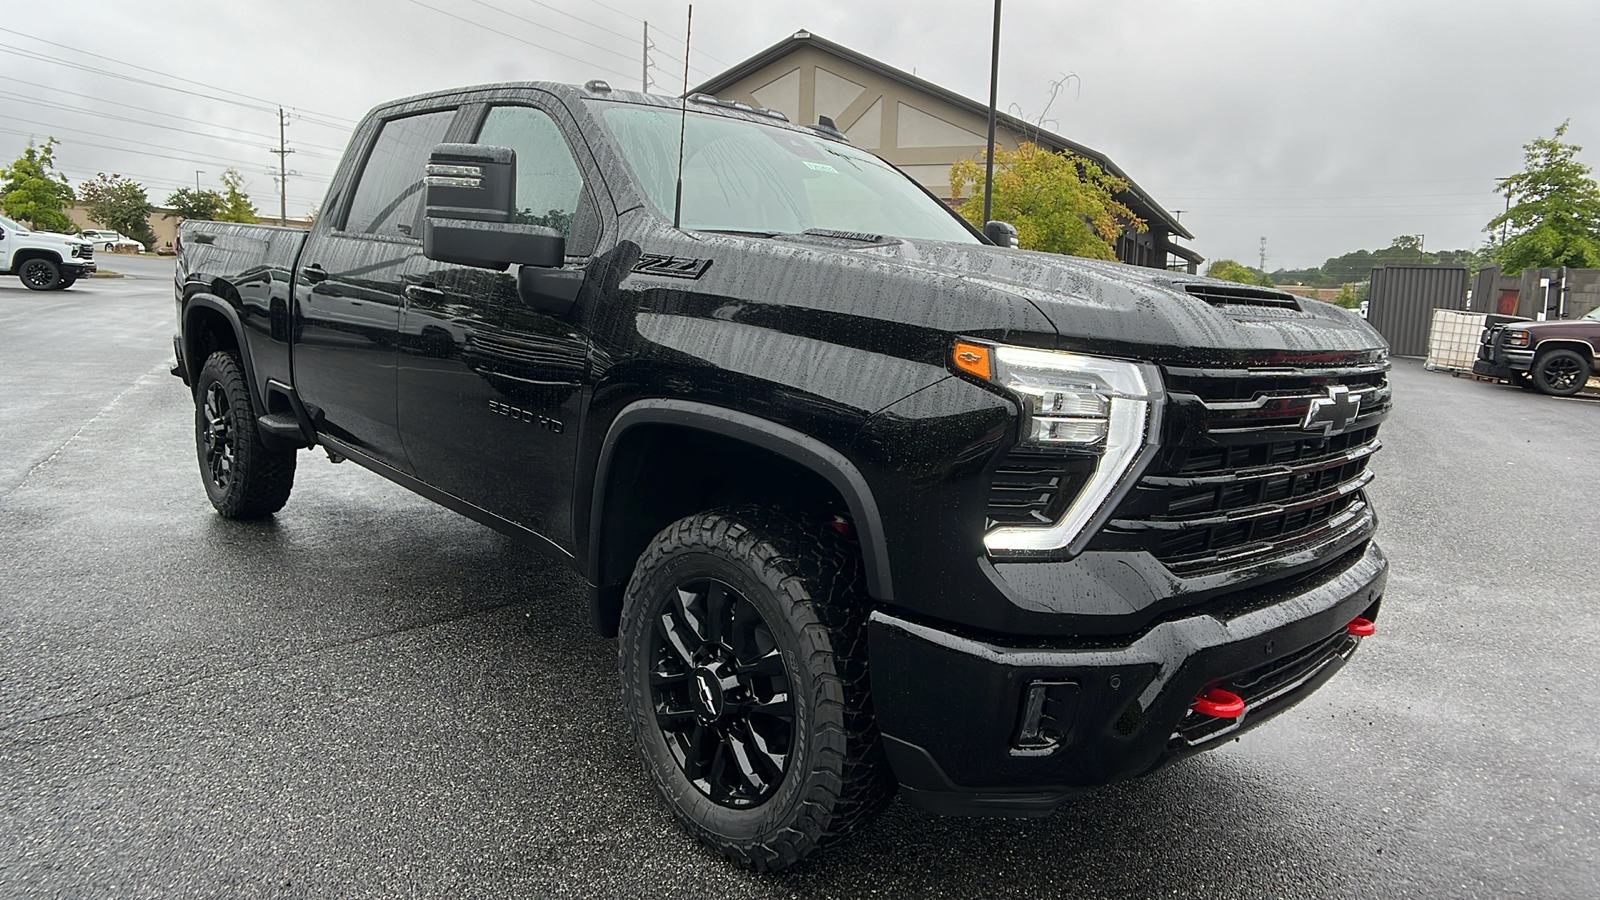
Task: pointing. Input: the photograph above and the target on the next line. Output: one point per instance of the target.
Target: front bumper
(73, 268)
(960, 715)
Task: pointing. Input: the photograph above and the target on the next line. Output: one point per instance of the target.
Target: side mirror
(471, 212)
(1001, 234)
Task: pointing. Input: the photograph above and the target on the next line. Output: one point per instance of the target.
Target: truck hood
(1145, 313)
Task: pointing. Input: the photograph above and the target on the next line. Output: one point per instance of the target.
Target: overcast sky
(1323, 125)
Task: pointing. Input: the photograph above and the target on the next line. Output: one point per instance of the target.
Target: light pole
(994, 79)
(197, 174)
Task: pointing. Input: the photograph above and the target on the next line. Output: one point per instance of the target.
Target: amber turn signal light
(972, 359)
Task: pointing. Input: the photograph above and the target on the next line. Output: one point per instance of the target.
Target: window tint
(549, 183)
(388, 198)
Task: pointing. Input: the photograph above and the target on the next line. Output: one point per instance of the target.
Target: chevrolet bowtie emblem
(1334, 413)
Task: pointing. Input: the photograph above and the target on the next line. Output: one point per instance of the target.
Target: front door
(349, 292)
(491, 391)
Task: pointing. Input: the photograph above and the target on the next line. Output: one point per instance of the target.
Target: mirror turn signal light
(1361, 627)
(1219, 703)
(972, 359)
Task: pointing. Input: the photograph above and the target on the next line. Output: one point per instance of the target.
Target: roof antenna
(683, 120)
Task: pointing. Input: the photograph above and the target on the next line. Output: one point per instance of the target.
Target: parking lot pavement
(369, 696)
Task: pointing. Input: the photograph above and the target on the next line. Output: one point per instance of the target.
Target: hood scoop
(1242, 295)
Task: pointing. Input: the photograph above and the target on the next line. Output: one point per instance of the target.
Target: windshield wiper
(744, 232)
(861, 236)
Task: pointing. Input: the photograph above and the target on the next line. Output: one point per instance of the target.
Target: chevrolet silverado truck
(1555, 357)
(872, 502)
(42, 260)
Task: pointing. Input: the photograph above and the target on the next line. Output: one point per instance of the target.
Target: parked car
(43, 260)
(1554, 357)
(111, 241)
(872, 500)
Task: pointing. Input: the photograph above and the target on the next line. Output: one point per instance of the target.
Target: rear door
(491, 391)
(349, 289)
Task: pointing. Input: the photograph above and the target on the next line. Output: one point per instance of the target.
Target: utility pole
(197, 174)
(283, 170)
(646, 70)
(1179, 213)
(994, 80)
(1263, 253)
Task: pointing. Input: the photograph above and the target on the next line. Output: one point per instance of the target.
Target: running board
(282, 429)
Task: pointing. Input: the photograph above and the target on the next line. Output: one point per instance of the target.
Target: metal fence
(1403, 298)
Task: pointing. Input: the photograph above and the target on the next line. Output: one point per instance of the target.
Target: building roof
(1143, 203)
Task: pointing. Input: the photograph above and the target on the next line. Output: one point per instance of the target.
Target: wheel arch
(609, 547)
(27, 253)
(1583, 347)
(210, 324)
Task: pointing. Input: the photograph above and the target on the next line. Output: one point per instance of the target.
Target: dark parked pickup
(1555, 357)
(871, 502)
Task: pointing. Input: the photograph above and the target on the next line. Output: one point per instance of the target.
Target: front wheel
(110, 248)
(742, 653)
(67, 282)
(243, 479)
(1561, 373)
(40, 274)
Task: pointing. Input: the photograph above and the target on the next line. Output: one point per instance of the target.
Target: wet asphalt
(369, 696)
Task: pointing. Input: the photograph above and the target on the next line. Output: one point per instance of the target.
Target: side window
(549, 183)
(388, 198)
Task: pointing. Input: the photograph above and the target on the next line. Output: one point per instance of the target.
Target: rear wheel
(742, 653)
(110, 247)
(243, 479)
(40, 274)
(1561, 373)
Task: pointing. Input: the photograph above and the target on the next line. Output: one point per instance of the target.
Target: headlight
(1516, 339)
(1087, 405)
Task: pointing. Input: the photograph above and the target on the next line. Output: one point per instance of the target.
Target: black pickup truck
(871, 501)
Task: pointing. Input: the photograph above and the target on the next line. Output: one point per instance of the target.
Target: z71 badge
(671, 266)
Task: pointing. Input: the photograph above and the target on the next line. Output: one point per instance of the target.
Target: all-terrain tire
(806, 583)
(40, 274)
(242, 477)
(1561, 372)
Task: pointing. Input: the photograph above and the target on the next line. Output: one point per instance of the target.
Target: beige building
(919, 126)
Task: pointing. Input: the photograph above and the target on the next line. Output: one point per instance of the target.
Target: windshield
(744, 176)
(1593, 313)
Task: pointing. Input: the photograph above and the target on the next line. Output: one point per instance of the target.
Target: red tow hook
(1361, 627)
(1219, 703)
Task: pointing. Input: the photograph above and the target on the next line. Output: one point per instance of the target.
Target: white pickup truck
(45, 261)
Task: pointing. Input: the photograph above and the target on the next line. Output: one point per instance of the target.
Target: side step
(282, 429)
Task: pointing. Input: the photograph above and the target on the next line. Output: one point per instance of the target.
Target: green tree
(236, 205)
(1554, 219)
(34, 192)
(195, 204)
(119, 204)
(1232, 270)
(1059, 202)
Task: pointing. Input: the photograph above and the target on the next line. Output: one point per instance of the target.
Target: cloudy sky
(1322, 125)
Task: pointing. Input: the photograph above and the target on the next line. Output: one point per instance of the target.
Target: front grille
(86, 253)
(1033, 488)
(1240, 480)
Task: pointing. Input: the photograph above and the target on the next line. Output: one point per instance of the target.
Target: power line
(593, 24)
(56, 90)
(541, 25)
(515, 38)
(209, 160)
(167, 128)
(35, 39)
(664, 33)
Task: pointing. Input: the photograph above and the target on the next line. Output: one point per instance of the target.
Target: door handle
(313, 274)
(424, 295)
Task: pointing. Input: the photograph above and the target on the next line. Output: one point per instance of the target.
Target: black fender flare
(198, 301)
(793, 445)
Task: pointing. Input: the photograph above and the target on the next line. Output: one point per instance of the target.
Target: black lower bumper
(75, 270)
(974, 727)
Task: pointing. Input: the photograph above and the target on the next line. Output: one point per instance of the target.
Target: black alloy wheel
(721, 696)
(742, 651)
(243, 478)
(40, 274)
(216, 436)
(1561, 373)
